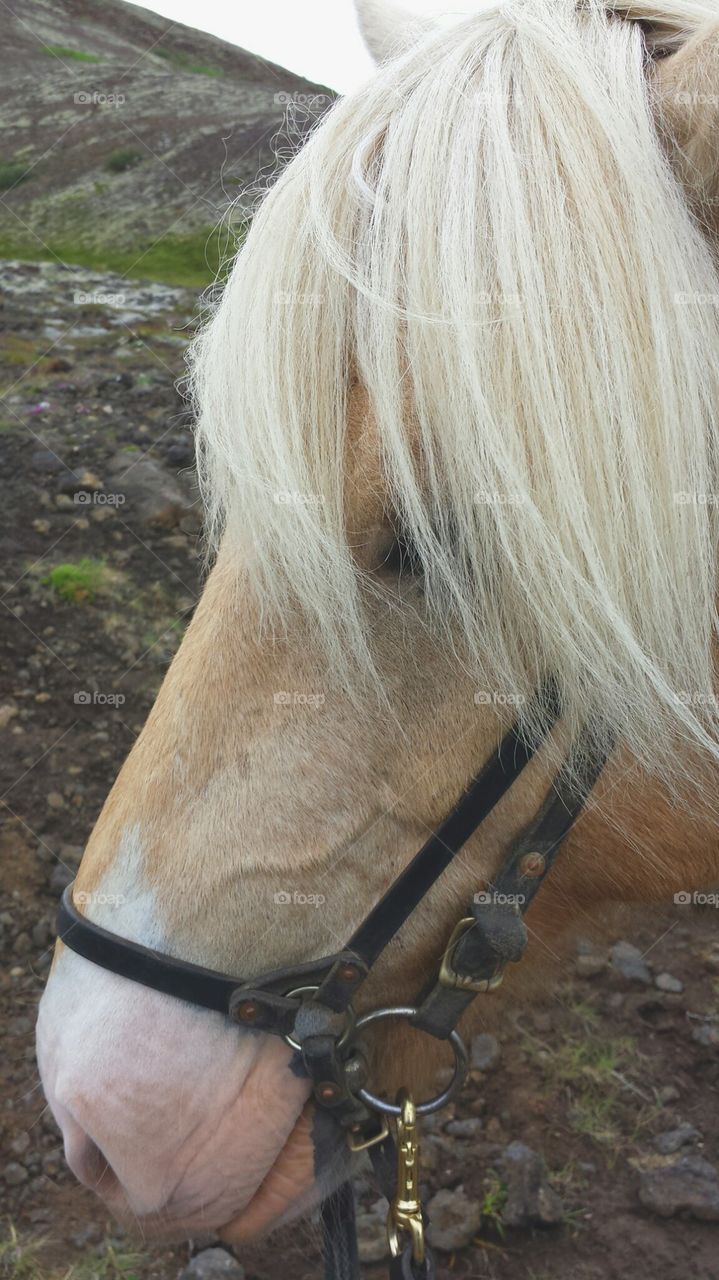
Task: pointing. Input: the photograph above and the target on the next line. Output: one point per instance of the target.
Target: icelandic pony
(457, 425)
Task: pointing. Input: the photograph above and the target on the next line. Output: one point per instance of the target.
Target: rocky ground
(585, 1144)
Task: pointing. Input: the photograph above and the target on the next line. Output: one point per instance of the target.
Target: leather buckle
(451, 977)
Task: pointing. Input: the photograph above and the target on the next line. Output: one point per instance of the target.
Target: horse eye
(401, 559)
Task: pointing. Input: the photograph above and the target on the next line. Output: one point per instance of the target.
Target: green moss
(111, 1266)
(77, 582)
(30, 1257)
(184, 63)
(11, 173)
(592, 1072)
(123, 159)
(16, 350)
(493, 1203)
(194, 259)
(77, 55)
(18, 1256)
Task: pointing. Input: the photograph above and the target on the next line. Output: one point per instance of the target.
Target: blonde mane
(488, 236)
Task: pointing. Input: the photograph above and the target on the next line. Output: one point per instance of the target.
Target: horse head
(457, 427)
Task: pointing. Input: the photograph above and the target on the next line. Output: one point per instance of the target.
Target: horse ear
(687, 86)
(388, 27)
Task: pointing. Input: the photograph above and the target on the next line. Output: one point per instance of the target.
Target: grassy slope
(195, 259)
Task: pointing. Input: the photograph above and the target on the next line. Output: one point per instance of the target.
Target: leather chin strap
(310, 1005)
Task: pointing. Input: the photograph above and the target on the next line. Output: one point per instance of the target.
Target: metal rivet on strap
(349, 973)
(327, 1091)
(532, 865)
(247, 1011)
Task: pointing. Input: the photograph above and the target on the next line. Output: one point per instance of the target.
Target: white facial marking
(123, 901)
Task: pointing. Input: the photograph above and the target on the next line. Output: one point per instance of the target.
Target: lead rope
(339, 1234)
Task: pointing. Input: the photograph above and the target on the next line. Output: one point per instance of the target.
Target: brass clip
(358, 1140)
(405, 1211)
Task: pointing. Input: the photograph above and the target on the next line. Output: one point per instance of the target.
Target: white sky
(319, 39)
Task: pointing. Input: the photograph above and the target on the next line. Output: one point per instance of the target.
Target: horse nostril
(87, 1161)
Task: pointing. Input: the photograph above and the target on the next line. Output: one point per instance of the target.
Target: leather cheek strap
(494, 932)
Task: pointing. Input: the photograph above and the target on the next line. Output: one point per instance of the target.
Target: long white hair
(489, 237)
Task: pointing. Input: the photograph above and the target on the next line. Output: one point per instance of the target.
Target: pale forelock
(490, 235)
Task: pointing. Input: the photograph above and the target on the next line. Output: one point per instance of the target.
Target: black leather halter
(311, 1005)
